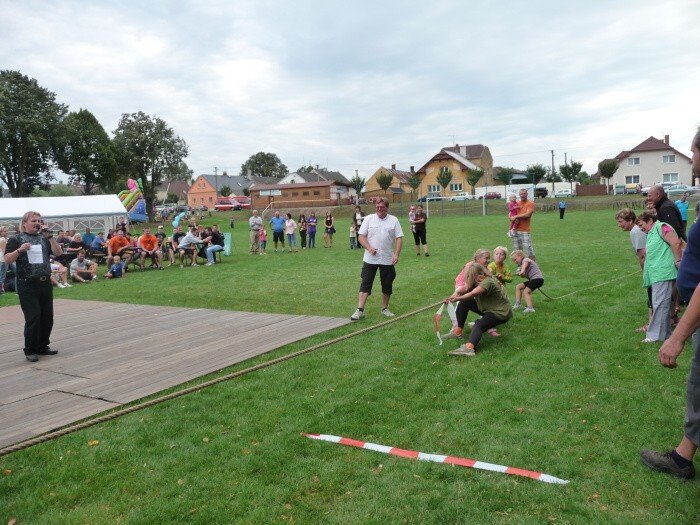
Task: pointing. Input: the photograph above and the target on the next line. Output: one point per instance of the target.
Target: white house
(651, 162)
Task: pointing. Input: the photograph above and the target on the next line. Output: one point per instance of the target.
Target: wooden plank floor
(111, 354)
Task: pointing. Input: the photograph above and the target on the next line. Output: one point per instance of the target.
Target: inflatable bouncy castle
(133, 201)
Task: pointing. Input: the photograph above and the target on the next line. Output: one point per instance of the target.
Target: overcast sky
(362, 84)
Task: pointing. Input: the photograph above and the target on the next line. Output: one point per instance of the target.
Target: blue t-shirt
(689, 270)
(117, 269)
(683, 208)
(88, 238)
(278, 223)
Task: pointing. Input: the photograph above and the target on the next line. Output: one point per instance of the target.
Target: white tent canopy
(97, 212)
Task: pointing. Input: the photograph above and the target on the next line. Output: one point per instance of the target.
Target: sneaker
(647, 340)
(528, 310)
(209, 264)
(359, 314)
(663, 462)
(67, 285)
(451, 335)
(516, 306)
(194, 264)
(94, 277)
(463, 350)
(61, 285)
(182, 265)
(427, 255)
(387, 313)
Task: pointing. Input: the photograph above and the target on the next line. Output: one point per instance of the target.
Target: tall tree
(505, 175)
(30, 120)
(569, 172)
(86, 153)
(607, 169)
(225, 191)
(384, 180)
(264, 165)
(473, 177)
(535, 173)
(444, 178)
(414, 183)
(149, 150)
(358, 184)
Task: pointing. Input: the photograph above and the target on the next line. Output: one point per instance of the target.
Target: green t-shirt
(495, 300)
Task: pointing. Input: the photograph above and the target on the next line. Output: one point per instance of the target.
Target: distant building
(458, 160)
(399, 189)
(300, 195)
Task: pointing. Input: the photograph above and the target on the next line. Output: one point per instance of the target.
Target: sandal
(642, 328)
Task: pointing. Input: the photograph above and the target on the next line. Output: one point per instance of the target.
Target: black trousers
(483, 324)
(36, 300)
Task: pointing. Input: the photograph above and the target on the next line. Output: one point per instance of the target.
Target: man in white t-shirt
(382, 238)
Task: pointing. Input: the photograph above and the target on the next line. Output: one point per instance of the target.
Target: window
(295, 194)
(433, 188)
(632, 179)
(305, 194)
(456, 187)
(317, 193)
(669, 159)
(633, 161)
(670, 177)
(211, 199)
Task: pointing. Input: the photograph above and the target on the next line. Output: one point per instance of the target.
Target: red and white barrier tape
(437, 458)
(453, 317)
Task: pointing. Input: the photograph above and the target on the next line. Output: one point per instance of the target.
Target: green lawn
(570, 391)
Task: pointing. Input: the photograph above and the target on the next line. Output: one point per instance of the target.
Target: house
(300, 195)
(206, 188)
(175, 187)
(458, 160)
(651, 162)
(399, 189)
(315, 175)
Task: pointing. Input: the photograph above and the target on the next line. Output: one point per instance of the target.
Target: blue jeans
(3, 271)
(211, 250)
(312, 239)
(292, 240)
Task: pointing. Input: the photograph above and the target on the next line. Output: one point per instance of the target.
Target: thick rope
(113, 415)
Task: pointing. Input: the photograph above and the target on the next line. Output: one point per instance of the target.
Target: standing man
(255, 223)
(30, 251)
(278, 225)
(682, 205)
(562, 209)
(382, 238)
(521, 236)
(419, 230)
(679, 461)
(666, 211)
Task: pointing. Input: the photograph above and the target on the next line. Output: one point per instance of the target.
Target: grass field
(570, 391)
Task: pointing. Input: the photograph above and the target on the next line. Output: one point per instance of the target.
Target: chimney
(393, 166)
(666, 139)
(412, 169)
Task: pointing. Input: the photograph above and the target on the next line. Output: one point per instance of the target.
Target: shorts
(278, 237)
(534, 284)
(387, 274)
(523, 241)
(420, 237)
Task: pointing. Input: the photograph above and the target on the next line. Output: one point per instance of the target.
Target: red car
(491, 195)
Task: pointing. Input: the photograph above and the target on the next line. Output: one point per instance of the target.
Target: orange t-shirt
(525, 207)
(148, 242)
(117, 243)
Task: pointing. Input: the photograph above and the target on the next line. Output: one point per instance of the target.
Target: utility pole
(216, 179)
(552, 171)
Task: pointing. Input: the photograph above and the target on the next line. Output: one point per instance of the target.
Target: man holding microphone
(30, 251)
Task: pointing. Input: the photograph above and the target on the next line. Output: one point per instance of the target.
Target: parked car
(541, 192)
(679, 189)
(431, 197)
(664, 185)
(463, 197)
(490, 195)
(566, 192)
(201, 208)
(227, 204)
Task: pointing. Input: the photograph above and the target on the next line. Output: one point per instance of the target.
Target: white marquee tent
(97, 212)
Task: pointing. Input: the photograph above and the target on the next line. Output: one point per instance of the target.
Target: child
(526, 268)
(498, 266)
(353, 235)
(513, 210)
(263, 240)
(412, 217)
(116, 270)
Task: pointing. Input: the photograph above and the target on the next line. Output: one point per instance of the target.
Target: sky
(352, 86)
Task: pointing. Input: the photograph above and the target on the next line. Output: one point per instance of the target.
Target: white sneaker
(195, 264)
(67, 285)
(359, 314)
(387, 313)
(528, 310)
(463, 350)
(94, 277)
(516, 306)
(209, 264)
(61, 285)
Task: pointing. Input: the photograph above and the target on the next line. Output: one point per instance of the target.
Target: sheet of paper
(36, 254)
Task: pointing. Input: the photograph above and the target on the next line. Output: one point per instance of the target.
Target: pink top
(513, 209)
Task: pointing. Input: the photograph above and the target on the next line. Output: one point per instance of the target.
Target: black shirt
(26, 270)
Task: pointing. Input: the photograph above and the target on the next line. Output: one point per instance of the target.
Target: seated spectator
(59, 275)
(165, 245)
(83, 270)
(188, 246)
(76, 244)
(149, 247)
(117, 270)
(61, 238)
(216, 244)
(118, 245)
(98, 246)
(88, 237)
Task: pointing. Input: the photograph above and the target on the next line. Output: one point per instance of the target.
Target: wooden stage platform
(111, 354)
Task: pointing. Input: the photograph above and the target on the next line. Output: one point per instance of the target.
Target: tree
(264, 165)
(474, 176)
(30, 119)
(358, 184)
(505, 175)
(86, 153)
(225, 191)
(384, 180)
(56, 190)
(569, 172)
(552, 176)
(444, 178)
(147, 149)
(607, 169)
(414, 182)
(171, 197)
(584, 178)
(307, 169)
(535, 172)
